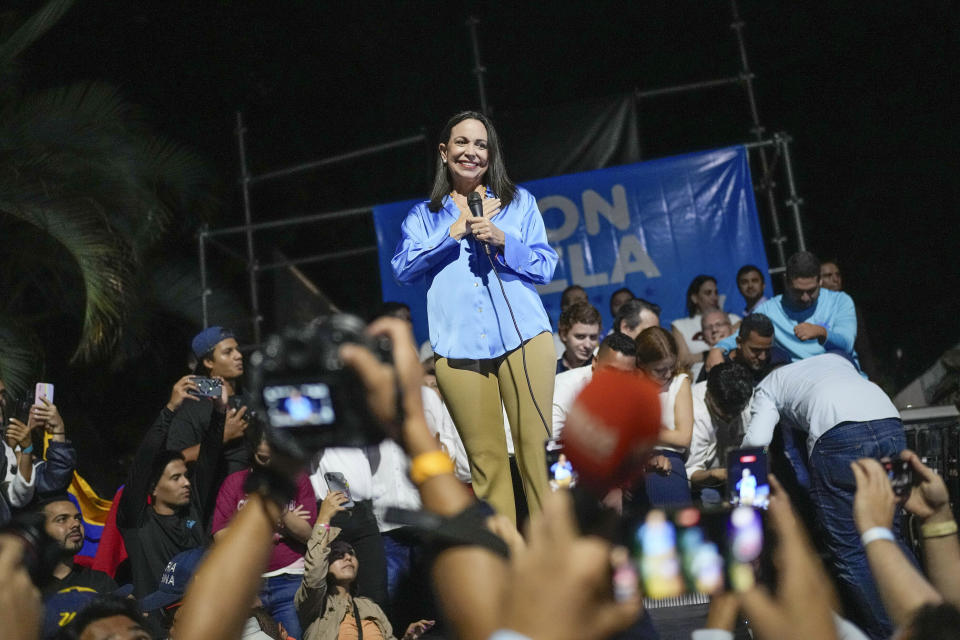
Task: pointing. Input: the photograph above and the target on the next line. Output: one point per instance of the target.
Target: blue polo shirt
(467, 314)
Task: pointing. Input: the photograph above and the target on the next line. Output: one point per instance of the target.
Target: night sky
(865, 90)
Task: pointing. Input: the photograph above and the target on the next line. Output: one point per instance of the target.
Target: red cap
(616, 414)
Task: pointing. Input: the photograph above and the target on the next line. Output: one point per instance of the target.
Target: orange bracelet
(430, 464)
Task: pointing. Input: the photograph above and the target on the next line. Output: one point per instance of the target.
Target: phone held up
(337, 482)
(901, 476)
(747, 482)
(560, 472)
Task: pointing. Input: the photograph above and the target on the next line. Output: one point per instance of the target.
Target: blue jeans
(668, 490)
(399, 560)
(833, 487)
(277, 597)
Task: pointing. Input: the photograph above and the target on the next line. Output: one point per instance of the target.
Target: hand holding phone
(900, 474)
(747, 482)
(337, 482)
(207, 387)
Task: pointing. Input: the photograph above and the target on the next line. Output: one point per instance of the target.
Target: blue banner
(651, 226)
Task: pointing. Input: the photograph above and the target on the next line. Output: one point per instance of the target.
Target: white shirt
(566, 387)
(441, 426)
(391, 484)
(18, 492)
(353, 463)
(704, 453)
(815, 395)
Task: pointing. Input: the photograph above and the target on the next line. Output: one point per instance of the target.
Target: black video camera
(305, 393)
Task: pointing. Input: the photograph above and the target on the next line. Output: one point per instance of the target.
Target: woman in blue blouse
(479, 362)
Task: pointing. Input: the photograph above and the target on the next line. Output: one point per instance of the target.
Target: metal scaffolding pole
(204, 290)
(747, 77)
(478, 69)
(247, 216)
(793, 201)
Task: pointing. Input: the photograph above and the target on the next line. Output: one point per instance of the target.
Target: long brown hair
(655, 344)
(496, 175)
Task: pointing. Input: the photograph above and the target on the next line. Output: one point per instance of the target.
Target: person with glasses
(285, 571)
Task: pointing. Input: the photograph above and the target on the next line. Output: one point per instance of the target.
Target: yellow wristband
(430, 464)
(939, 529)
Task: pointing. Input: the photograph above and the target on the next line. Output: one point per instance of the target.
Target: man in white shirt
(845, 417)
(617, 351)
(721, 411)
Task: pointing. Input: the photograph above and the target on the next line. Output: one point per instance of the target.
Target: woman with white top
(702, 297)
(657, 358)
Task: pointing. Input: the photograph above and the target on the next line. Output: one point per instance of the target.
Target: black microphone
(475, 202)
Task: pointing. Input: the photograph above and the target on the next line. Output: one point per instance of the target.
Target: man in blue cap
(218, 356)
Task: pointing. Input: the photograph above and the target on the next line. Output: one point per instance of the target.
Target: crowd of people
(218, 532)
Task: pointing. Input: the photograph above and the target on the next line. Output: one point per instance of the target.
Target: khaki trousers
(473, 391)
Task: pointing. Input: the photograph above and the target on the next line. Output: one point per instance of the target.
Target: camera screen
(747, 482)
(298, 405)
(560, 472)
(745, 542)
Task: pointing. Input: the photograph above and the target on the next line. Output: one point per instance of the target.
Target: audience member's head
(830, 276)
(729, 388)
(572, 295)
(393, 309)
(702, 295)
(803, 280)
(617, 298)
(218, 354)
(634, 316)
(169, 487)
(715, 326)
(657, 355)
(344, 566)
(750, 283)
(173, 585)
(256, 437)
(617, 351)
(755, 341)
(108, 618)
(579, 329)
(62, 523)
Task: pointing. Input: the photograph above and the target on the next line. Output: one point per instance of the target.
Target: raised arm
(902, 587)
(313, 589)
(133, 502)
(420, 247)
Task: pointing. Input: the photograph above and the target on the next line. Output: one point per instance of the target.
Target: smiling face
(225, 361)
(63, 524)
(466, 154)
(580, 340)
(715, 326)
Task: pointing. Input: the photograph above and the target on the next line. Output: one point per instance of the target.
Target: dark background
(866, 92)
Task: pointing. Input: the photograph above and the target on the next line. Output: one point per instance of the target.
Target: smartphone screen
(337, 482)
(747, 482)
(744, 546)
(299, 405)
(560, 472)
(43, 390)
(659, 560)
(901, 476)
(701, 536)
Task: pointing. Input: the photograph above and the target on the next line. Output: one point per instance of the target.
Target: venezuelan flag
(93, 510)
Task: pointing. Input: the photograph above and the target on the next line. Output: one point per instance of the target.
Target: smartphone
(744, 547)
(336, 482)
(207, 387)
(560, 472)
(693, 551)
(747, 482)
(901, 476)
(43, 390)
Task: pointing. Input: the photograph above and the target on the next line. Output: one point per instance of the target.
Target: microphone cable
(475, 202)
